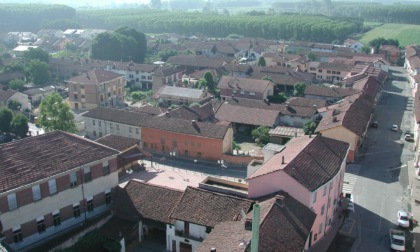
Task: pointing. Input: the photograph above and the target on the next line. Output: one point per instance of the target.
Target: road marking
(396, 168)
(350, 178)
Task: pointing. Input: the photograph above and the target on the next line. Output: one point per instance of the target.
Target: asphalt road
(382, 186)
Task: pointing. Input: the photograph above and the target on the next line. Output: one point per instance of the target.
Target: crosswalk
(350, 177)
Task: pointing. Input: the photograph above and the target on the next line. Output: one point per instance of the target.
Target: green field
(405, 33)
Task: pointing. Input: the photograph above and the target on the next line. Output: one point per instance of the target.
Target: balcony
(180, 233)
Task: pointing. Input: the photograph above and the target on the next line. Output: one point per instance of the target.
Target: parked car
(397, 239)
(403, 219)
(394, 127)
(374, 124)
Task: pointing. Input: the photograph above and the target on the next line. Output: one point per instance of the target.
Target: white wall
(124, 129)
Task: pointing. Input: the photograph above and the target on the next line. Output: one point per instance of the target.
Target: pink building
(311, 170)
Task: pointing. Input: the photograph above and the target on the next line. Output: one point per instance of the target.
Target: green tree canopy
(311, 56)
(38, 72)
(14, 105)
(376, 43)
(6, 116)
(309, 127)
(17, 84)
(209, 81)
(19, 125)
(55, 114)
(126, 44)
(260, 135)
(299, 89)
(165, 54)
(261, 62)
(36, 54)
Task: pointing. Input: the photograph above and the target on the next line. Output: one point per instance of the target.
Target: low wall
(240, 160)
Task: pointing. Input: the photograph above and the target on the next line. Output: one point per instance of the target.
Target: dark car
(374, 124)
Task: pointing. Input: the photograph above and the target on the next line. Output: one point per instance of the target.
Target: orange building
(190, 139)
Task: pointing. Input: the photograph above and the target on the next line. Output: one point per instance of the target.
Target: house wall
(27, 212)
(196, 232)
(107, 127)
(345, 135)
(226, 93)
(184, 145)
(227, 141)
(330, 75)
(326, 198)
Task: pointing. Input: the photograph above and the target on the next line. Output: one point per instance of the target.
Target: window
(93, 122)
(312, 68)
(11, 199)
(75, 87)
(73, 179)
(234, 91)
(118, 127)
(315, 236)
(82, 86)
(199, 154)
(333, 72)
(186, 153)
(137, 80)
(105, 168)
(56, 218)
(319, 70)
(76, 211)
(322, 209)
(328, 71)
(252, 93)
(149, 77)
(111, 126)
(17, 235)
(325, 191)
(145, 145)
(130, 129)
(108, 197)
(100, 123)
(100, 134)
(90, 205)
(137, 131)
(52, 185)
(87, 175)
(314, 197)
(94, 133)
(186, 228)
(82, 96)
(130, 76)
(242, 92)
(40, 225)
(143, 77)
(338, 73)
(36, 193)
(321, 225)
(75, 97)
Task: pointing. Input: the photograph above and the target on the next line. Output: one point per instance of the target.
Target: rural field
(405, 33)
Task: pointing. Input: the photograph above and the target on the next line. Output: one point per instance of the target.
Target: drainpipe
(255, 227)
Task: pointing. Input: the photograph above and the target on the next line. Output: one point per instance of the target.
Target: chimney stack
(282, 160)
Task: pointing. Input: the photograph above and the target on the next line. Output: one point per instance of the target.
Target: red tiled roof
(116, 115)
(311, 161)
(246, 115)
(95, 77)
(120, 143)
(306, 102)
(142, 200)
(5, 95)
(353, 113)
(198, 60)
(331, 92)
(252, 85)
(417, 106)
(34, 158)
(208, 208)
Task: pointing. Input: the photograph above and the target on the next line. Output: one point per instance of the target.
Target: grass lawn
(405, 33)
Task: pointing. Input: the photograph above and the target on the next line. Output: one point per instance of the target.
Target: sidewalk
(415, 202)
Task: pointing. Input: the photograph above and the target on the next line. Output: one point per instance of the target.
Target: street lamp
(173, 154)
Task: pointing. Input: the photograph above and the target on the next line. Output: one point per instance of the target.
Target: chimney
(193, 122)
(282, 160)
(213, 250)
(255, 227)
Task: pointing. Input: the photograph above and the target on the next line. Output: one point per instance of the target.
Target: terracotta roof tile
(209, 130)
(95, 77)
(246, 84)
(198, 60)
(247, 115)
(330, 92)
(116, 115)
(142, 200)
(417, 106)
(353, 113)
(120, 143)
(34, 158)
(5, 95)
(208, 208)
(312, 161)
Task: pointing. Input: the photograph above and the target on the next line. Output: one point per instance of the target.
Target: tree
(299, 89)
(6, 116)
(311, 56)
(165, 54)
(309, 127)
(260, 135)
(19, 125)
(226, 12)
(38, 72)
(14, 105)
(209, 81)
(17, 84)
(55, 114)
(366, 49)
(201, 83)
(36, 54)
(261, 62)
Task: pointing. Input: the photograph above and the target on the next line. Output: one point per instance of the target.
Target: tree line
(286, 26)
(32, 17)
(375, 12)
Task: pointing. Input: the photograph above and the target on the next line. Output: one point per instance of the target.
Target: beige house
(96, 88)
(329, 71)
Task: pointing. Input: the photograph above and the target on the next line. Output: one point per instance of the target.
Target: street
(382, 184)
